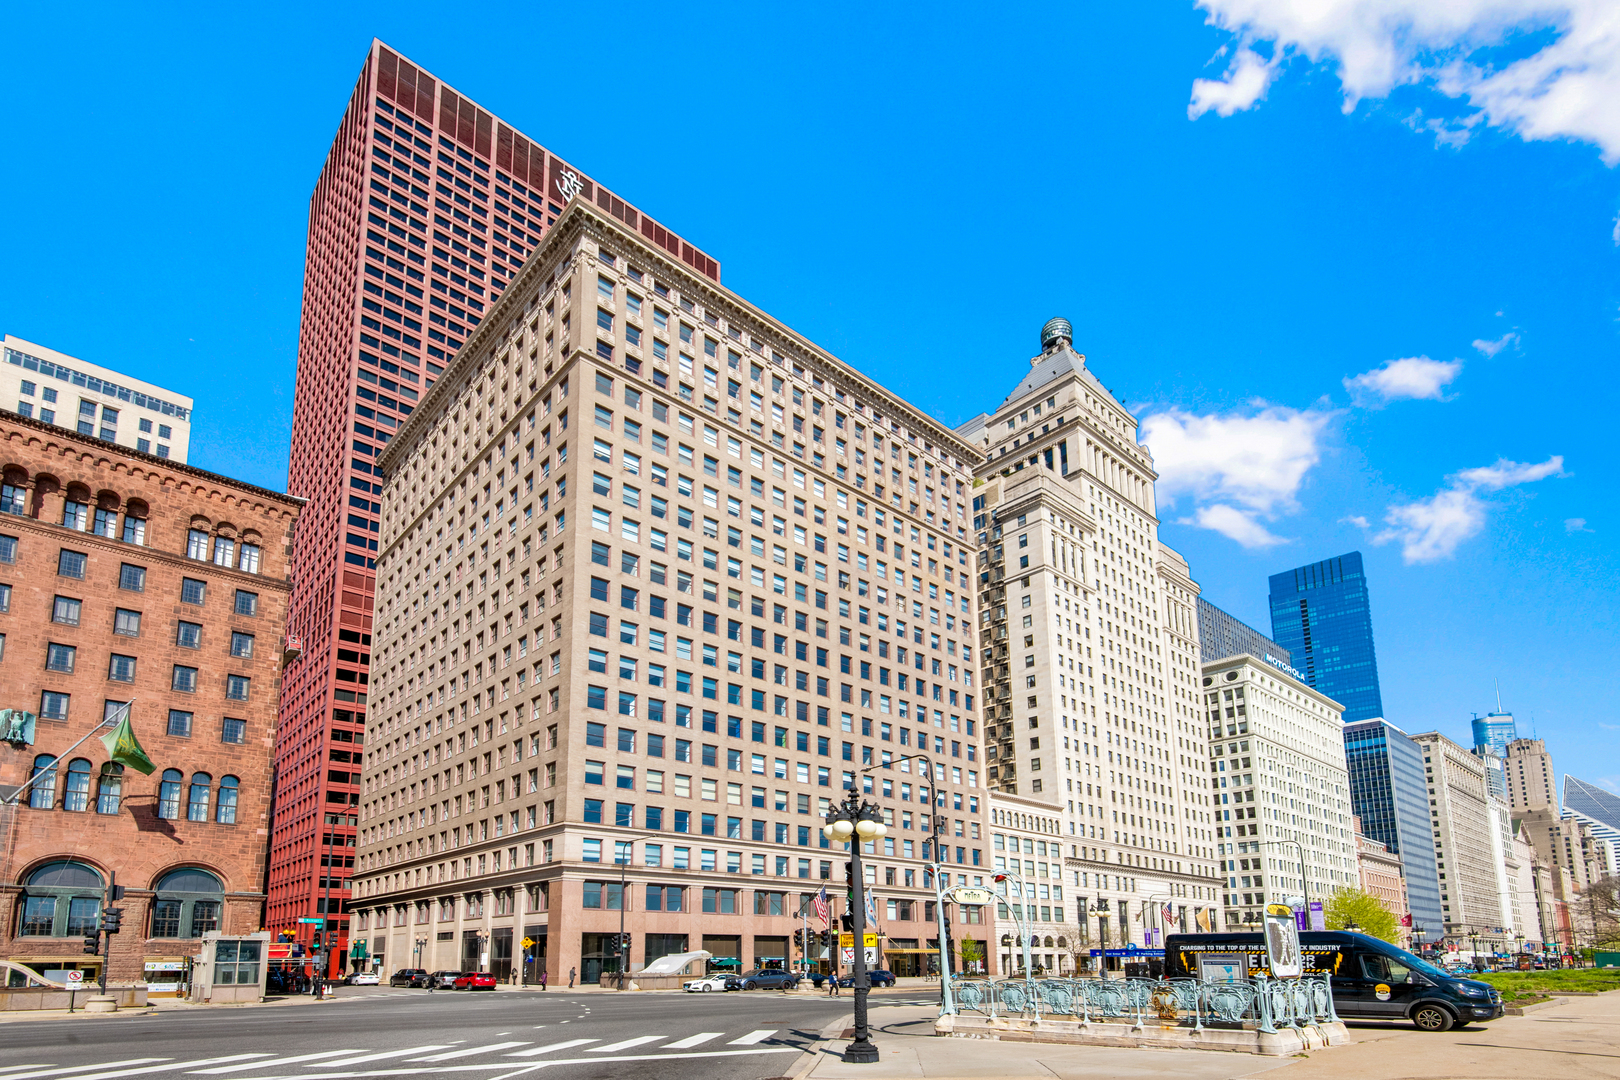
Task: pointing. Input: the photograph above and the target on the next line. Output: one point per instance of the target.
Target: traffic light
(849, 871)
(798, 939)
(111, 920)
(847, 921)
(92, 944)
(624, 942)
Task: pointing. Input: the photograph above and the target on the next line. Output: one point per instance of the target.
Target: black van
(1371, 979)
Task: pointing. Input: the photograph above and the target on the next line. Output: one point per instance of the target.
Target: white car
(705, 985)
(364, 978)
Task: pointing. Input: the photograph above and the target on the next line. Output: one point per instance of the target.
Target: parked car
(474, 980)
(769, 979)
(1372, 979)
(879, 977)
(408, 977)
(710, 983)
(363, 978)
(443, 980)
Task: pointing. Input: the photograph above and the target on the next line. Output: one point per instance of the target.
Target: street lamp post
(1100, 909)
(1020, 915)
(421, 943)
(854, 821)
(1304, 879)
(623, 852)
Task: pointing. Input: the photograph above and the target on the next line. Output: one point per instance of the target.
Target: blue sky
(1368, 305)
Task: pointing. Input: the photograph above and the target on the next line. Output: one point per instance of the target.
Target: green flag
(125, 749)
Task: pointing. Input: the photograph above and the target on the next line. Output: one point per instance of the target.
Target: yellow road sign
(528, 943)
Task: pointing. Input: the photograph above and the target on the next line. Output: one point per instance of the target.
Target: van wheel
(1432, 1018)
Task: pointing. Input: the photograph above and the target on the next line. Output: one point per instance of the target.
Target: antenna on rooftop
(1498, 683)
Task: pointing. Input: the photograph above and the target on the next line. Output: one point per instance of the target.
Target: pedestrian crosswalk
(498, 1059)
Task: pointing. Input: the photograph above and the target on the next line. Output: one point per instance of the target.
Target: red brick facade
(128, 628)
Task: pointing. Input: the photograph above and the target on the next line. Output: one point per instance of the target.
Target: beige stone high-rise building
(1532, 782)
(1278, 772)
(1091, 660)
(1466, 841)
(658, 580)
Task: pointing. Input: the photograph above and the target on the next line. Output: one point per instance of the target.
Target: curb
(808, 1060)
(1520, 1010)
(23, 1016)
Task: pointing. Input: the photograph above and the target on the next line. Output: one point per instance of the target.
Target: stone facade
(1382, 877)
(136, 610)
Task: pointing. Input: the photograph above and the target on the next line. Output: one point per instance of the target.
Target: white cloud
(1491, 348)
(1246, 81)
(1576, 525)
(1357, 520)
(1415, 377)
(1239, 469)
(1432, 529)
(1566, 89)
(1617, 230)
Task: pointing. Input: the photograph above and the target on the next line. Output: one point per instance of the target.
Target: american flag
(1169, 914)
(823, 909)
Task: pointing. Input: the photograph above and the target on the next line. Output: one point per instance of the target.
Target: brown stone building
(1383, 877)
(129, 578)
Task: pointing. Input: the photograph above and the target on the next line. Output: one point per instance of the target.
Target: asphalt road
(381, 1032)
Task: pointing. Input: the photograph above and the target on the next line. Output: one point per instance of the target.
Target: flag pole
(114, 719)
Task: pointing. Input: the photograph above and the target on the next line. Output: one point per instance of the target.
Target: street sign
(528, 943)
(848, 940)
(965, 895)
(317, 922)
(75, 977)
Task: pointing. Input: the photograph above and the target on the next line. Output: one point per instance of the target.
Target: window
(134, 528)
(71, 563)
(42, 796)
(132, 577)
(76, 795)
(232, 731)
(197, 545)
(127, 623)
(237, 687)
(247, 603)
(5, 598)
(61, 899)
(241, 645)
(13, 499)
(65, 610)
(225, 809)
(188, 635)
(169, 796)
(111, 788)
(179, 724)
(75, 515)
(8, 549)
(198, 797)
(53, 706)
(193, 591)
(121, 668)
(188, 901)
(249, 560)
(60, 658)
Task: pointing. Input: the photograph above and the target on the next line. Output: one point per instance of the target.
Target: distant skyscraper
(1320, 613)
(1600, 809)
(1390, 795)
(1220, 635)
(1495, 730)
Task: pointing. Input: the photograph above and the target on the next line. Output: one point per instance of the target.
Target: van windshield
(1416, 963)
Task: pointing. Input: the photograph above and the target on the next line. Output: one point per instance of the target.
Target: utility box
(230, 968)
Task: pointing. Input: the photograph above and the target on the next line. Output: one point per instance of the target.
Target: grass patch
(1517, 985)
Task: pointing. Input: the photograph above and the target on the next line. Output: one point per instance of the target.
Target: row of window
(176, 799)
(63, 899)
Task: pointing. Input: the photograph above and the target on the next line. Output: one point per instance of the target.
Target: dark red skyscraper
(424, 209)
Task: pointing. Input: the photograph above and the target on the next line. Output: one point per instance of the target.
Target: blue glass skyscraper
(1495, 731)
(1321, 615)
(1389, 794)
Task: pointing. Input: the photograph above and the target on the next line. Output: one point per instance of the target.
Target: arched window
(110, 791)
(169, 794)
(188, 904)
(225, 813)
(197, 800)
(77, 795)
(61, 899)
(42, 796)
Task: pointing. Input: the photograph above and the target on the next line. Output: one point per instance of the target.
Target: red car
(474, 980)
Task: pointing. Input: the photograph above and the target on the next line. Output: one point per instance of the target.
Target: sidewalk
(1575, 1040)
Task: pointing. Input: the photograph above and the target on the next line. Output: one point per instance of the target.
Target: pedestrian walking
(571, 973)
(431, 979)
(542, 978)
(832, 985)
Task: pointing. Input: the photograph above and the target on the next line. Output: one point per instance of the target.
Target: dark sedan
(408, 977)
(879, 977)
(768, 979)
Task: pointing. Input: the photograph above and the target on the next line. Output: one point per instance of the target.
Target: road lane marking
(569, 1045)
(471, 1050)
(516, 1070)
(380, 1056)
(277, 1062)
(176, 1067)
(613, 1048)
(753, 1037)
(60, 1070)
(693, 1040)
